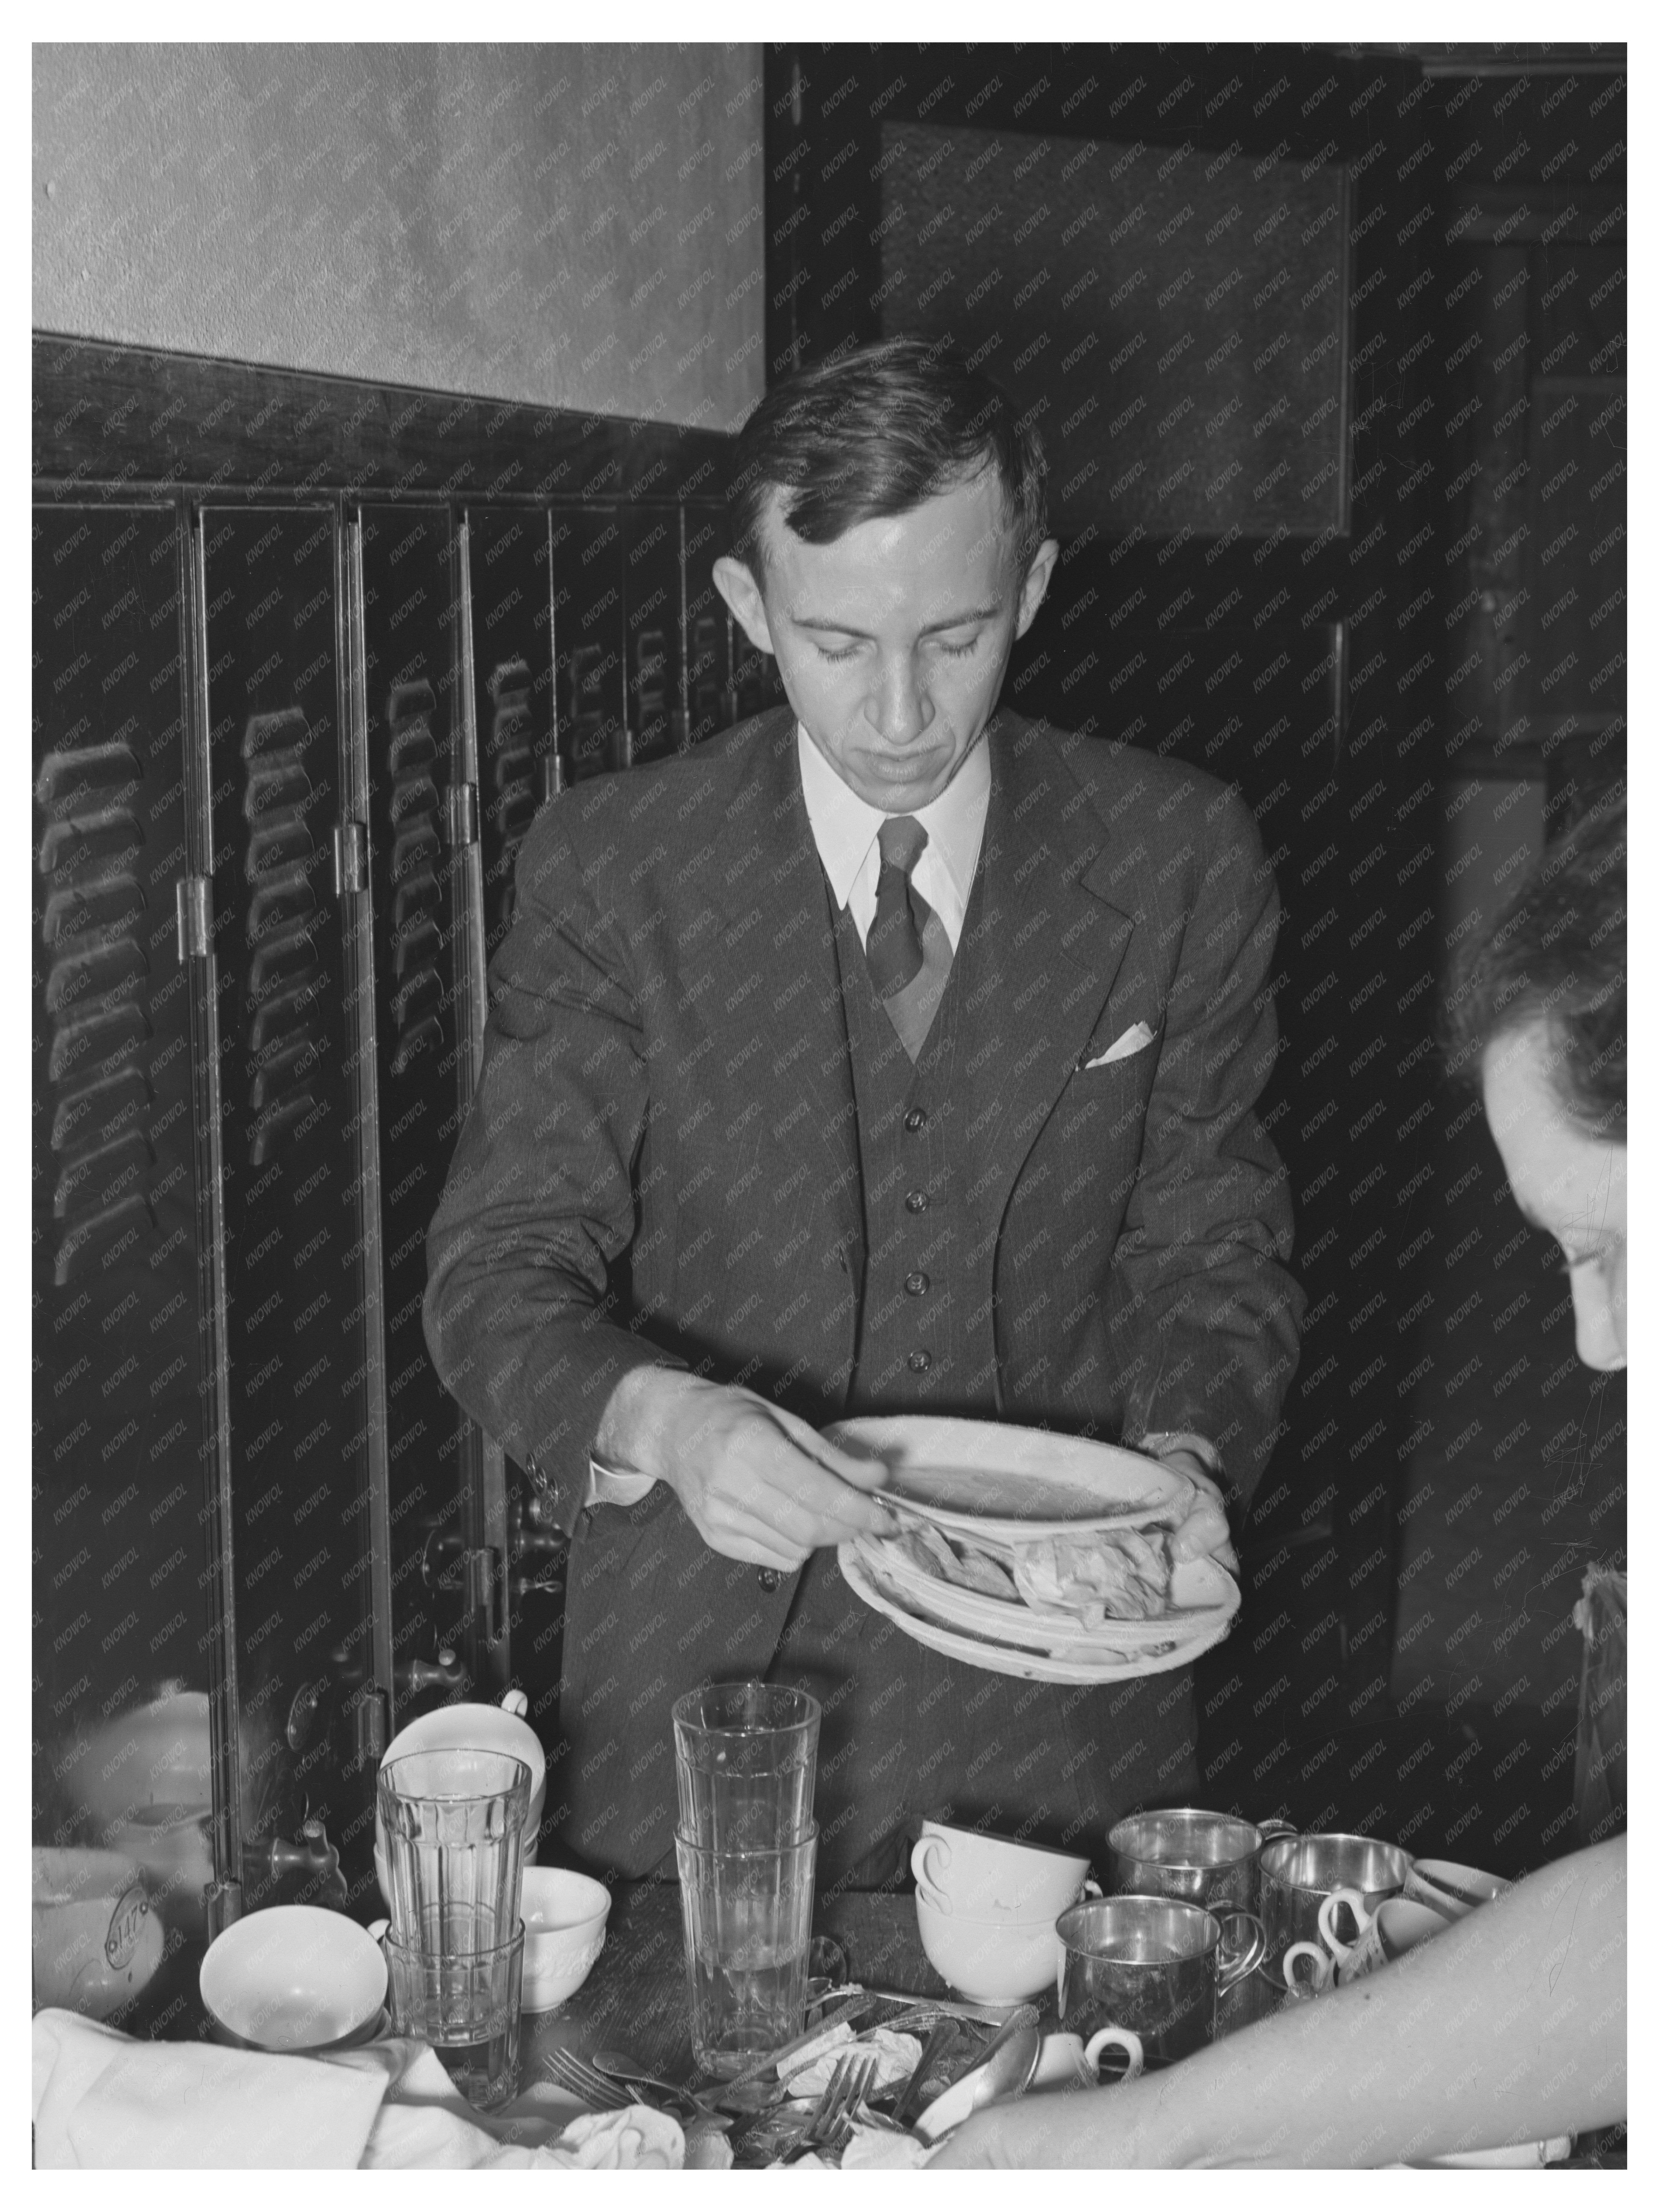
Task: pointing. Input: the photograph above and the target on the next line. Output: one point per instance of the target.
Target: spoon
(1006, 2070)
(622, 2068)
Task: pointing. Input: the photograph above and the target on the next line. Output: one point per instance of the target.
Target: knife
(850, 2004)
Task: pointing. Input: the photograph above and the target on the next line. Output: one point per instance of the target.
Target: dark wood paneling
(109, 413)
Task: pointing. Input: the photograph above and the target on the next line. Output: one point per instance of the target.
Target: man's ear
(1034, 588)
(738, 587)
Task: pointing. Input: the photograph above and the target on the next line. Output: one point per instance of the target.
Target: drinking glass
(748, 1922)
(465, 2005)
(745, 1757)
(453, 1822)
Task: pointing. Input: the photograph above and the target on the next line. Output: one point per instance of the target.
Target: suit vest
(926, 1340)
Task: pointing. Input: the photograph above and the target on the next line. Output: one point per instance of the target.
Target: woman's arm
(1508, 2028)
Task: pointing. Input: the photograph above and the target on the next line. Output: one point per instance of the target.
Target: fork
(585, 2081)
(834, 2116)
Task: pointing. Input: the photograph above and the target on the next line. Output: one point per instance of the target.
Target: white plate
(993, 1479)
(1204, 1597)
(1002, 1659)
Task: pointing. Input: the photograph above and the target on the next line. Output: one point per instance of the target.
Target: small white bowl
(564, 1917)
(993, 1962)
(294, 1978)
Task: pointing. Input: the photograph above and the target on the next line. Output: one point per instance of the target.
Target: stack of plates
(1000, 1486)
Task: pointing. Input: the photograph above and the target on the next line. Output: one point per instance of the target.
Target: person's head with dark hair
(873, 435)
(890, 523)
(1537, 1017)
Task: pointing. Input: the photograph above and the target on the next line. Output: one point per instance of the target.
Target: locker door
(293, 1095)
(121, 1448)
(590, 597)
(422, 948)
(709, 706)
(656, 717)
(512, 625)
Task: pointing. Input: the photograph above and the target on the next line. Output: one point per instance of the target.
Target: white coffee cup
(1066, 2059)
(993, 1877)
(993, 1962)
(1452, 1890)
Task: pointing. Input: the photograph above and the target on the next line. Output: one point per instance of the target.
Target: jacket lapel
(774, 912)
(1052, 943)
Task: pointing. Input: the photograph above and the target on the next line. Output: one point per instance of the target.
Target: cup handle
(377, 1930)
(1091, 1888)
(1126, 2040)
(1319, 1979)
(1273, 1830)
(1340, 1951)
(1253, 1950)
(516, 1703)
(935, 1899)
(920, 1857)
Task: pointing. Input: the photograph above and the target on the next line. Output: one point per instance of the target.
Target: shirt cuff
(606, 1486)
(1161, 1442)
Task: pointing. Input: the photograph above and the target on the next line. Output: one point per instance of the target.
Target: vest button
(916, 1119)
(915, 1284)
(920, 1362)
(915, 1201)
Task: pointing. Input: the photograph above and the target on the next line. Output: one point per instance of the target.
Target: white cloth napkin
(101, 2099)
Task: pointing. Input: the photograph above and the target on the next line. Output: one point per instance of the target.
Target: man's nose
(900, 709)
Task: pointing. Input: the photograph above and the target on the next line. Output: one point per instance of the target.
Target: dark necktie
(908, 950)
(893, 947)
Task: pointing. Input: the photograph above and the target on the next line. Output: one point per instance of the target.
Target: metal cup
(747, 1917)
(1300, 1874)
(1212, 1859)
(453, 1822)
(466, 2006)
(1152, 1968)
(745, 1759)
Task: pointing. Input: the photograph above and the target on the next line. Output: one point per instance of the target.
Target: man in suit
(887, 1054)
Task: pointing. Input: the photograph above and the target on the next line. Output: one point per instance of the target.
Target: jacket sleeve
(539, 1199)
(1205, 1317)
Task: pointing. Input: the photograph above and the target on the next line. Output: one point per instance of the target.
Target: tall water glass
(745, 1757)
(466, 2006)
(453, 1823)
(748, 1922)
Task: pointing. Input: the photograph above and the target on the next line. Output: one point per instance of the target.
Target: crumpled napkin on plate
(638, 2139)
(897, 2056)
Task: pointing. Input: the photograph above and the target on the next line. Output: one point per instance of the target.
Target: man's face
(892, 642)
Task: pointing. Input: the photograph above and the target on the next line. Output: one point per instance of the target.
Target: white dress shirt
(844, 828)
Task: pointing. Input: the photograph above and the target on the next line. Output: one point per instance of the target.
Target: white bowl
(474, 1728)
(564, 1917)
(989, 1961)
(294, 1978)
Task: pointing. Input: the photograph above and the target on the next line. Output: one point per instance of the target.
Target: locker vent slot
(96, 993)
(417, 902)
(284, 973)
(508, 771)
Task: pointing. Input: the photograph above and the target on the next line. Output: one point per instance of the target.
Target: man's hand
(1204, 1533)
(756, 1483)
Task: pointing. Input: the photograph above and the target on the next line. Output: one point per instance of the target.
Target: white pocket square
(1132, 1040)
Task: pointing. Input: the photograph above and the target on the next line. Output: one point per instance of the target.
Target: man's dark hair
(873, 435)
(1556, 954)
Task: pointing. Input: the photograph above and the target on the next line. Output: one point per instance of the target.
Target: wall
(577, 227)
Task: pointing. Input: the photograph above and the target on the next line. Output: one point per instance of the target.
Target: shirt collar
(844, 827)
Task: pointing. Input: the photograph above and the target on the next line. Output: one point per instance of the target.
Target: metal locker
(296, 1128)
(423, 867)
(590, 600)
(656, 716)
(123, 1747)
(709, 705)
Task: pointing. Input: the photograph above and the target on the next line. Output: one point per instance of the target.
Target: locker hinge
(372, 1727)
(350, 858)
(461, 813)
(195, 895)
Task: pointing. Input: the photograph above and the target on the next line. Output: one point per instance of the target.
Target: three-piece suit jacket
(664, 1164)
